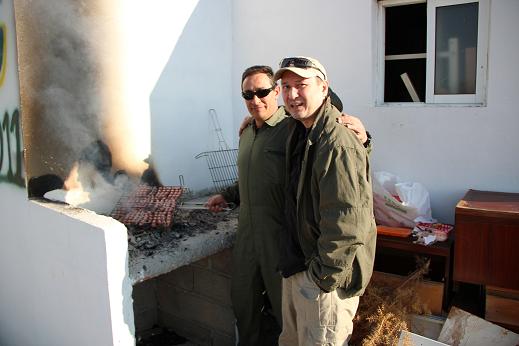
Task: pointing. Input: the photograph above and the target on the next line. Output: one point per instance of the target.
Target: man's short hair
(259, 69)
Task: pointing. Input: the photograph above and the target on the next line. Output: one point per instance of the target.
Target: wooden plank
(410, 87)
(489, 204)
(430, 292)
(503, 292)
(406, 56)
(503, 311)
(394, 231)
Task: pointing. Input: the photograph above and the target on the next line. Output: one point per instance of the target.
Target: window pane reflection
(456, 49)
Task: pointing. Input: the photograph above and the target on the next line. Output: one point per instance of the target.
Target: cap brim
(303, 72)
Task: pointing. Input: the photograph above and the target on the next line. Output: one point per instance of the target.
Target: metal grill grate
(222, 166)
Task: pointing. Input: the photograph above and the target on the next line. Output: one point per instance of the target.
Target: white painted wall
(64, 275)
(195, 79)
(64, 272)
(448, 149)
(11, 165)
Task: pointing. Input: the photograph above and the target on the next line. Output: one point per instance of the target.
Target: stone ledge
(188, 250)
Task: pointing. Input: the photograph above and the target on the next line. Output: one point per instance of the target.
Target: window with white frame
(433, 51)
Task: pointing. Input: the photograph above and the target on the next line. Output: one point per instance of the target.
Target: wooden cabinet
(486, 247)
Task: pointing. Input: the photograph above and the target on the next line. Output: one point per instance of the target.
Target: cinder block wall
(145, 305)
(194, 301)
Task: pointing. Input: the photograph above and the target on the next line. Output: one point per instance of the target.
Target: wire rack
(222, 166)
(222, 162)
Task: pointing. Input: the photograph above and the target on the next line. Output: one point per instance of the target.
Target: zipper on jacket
(302, 176)
(249, 162)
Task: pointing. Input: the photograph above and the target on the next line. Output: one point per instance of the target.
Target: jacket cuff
(326, 284)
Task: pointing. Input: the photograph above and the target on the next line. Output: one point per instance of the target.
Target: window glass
(456, 49)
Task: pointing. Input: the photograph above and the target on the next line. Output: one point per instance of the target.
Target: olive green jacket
(335, 221)
(261, 178)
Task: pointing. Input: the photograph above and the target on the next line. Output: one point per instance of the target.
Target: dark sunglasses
(299, 62)
(261, 93)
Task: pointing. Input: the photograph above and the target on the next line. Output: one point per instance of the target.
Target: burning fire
(87, 188)
(75, 195)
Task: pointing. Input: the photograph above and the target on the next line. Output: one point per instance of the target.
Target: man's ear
(325, 88)
(277, 89)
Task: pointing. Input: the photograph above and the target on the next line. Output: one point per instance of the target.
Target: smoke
(70, 96)
(60, 46)
(68, 58)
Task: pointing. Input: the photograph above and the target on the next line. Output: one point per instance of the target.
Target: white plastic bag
(399, 204)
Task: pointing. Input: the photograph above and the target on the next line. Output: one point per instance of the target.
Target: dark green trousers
(254, 280)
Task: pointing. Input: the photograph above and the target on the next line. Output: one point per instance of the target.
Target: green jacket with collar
(335, 221)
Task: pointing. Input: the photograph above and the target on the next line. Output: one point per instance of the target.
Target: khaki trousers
(314, 317)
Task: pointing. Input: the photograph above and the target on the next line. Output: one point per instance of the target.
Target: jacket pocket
(308, 288)
(275, 169)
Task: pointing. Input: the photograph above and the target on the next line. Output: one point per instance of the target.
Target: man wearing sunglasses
(328, 246)
(261, 195)
(351, 122)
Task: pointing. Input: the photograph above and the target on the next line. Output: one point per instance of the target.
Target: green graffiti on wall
(11, 155)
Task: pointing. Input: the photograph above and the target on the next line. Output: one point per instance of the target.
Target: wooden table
(443, 249)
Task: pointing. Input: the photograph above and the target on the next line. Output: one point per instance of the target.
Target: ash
(187, 223)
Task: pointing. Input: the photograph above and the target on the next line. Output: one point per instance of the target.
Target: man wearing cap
(328, 247)
(261, 195)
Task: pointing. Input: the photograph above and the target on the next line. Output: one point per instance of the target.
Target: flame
(75, 195)
(87, 188)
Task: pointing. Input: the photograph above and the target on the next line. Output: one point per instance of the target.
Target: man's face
(260, 108)
(303, 96)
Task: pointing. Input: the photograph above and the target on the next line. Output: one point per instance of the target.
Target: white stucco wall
(195, 79)
(63, 272)
(448, 149)
(64, 275)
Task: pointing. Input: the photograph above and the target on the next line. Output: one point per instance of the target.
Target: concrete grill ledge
(77, 260)
(176, 251)
(161, 251)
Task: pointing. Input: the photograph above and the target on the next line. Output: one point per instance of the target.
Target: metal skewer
(202, 206)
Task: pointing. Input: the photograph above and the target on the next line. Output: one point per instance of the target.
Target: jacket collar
(277, 117)
(323, 117)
